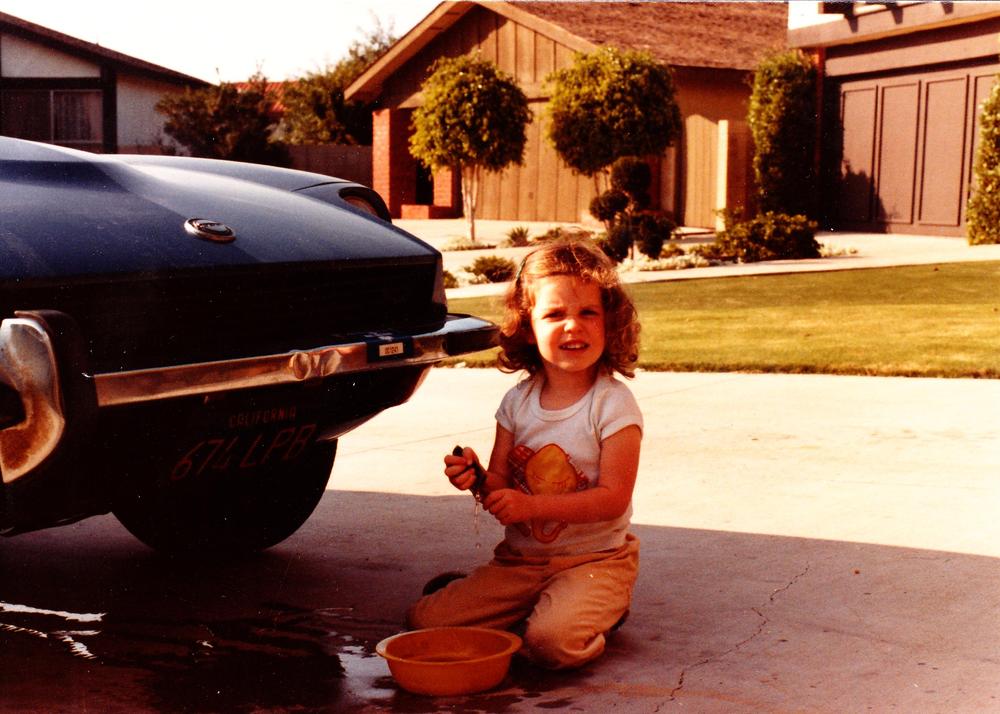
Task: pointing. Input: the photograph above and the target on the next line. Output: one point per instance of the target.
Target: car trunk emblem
(210, 230)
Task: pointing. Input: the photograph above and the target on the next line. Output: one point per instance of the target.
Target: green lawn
(934, 321)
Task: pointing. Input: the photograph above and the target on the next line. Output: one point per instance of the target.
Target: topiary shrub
(768, 236)
(783, 121)
(645, 231)
(651, 232)
(607, 206)
(983, 219)
(632, 176)
(620, 210)
(617, 242)
(493, 268)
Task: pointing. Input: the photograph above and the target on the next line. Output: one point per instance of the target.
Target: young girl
(563, 465)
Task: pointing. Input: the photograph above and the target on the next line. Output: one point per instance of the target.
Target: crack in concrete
(758, 610)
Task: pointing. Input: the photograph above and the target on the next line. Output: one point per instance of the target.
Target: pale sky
(225, 39)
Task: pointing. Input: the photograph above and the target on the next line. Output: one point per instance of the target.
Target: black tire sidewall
(230, 514)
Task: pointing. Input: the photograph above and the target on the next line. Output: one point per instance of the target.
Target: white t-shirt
(559, 451)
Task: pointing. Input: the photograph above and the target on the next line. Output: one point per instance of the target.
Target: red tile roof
(274, 89)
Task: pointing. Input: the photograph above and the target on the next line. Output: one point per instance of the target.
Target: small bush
(518, 237)
(769, 236)
(983, 222)
(672, 250)
(494, 268)
(459, 244)
(557, 232)
(450, 281)
(712, 252)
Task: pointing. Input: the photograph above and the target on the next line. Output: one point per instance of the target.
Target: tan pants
(567, 603)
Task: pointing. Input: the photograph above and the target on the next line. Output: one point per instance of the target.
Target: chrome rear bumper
(29, 365)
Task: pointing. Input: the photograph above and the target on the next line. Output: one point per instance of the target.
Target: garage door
(906, 146)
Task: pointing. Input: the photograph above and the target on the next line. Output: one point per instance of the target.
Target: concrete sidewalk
(846, 251)
(810, 543)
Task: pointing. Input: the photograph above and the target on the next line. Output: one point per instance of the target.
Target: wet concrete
(92, 621)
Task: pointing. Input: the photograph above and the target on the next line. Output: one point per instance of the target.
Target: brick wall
(394, 170)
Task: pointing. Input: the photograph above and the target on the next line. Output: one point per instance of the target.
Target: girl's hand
(509, 506)
(459, 469)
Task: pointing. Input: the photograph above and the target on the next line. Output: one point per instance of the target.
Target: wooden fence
(353, 163)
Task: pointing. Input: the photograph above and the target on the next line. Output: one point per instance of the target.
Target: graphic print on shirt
(547, 471)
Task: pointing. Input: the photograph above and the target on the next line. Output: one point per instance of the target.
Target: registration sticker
(389, 348)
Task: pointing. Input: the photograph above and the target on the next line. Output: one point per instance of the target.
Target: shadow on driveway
(721, 621)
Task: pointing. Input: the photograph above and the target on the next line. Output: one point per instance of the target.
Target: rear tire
(229, 516)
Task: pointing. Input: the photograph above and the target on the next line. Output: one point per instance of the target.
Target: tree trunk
(470, 197)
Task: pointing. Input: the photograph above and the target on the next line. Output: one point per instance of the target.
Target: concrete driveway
(810, 543)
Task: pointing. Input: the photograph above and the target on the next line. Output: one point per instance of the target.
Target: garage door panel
(897, 164)
(943, 151)
(857, 164)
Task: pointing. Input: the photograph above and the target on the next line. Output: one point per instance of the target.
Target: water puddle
(282, 657)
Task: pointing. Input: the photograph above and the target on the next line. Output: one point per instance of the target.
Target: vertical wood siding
(544, 188)
(700, 162)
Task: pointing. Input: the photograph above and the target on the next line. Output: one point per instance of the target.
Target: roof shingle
(731, 35)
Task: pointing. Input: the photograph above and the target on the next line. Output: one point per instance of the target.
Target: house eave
(368, 86)
(9, 24)
(891, 21)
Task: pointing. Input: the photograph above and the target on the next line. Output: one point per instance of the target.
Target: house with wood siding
(59, 89)
(902, 86)
(712, 48)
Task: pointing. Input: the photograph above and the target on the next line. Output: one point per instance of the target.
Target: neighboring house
(58, 89)
(902, 86)
(712, 47)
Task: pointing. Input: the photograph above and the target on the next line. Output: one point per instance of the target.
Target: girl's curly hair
(580, 258)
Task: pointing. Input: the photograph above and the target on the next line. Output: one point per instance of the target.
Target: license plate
(243, 450)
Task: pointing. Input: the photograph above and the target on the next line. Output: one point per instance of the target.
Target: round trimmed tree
(609, 104)
(473, 118)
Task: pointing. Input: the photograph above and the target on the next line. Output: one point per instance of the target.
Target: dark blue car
(184, 340)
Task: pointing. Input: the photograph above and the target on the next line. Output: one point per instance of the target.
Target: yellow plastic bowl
(443, 661)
